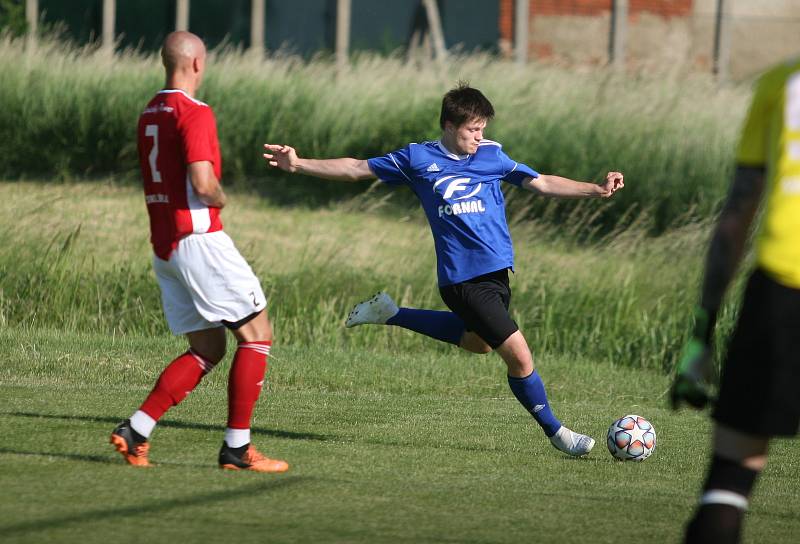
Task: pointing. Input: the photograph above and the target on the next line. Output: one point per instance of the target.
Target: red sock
(176, 381)
(245, 382)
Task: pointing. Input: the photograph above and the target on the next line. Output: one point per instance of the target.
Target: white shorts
(206, 281)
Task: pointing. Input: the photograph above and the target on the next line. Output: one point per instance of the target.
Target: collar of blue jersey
(453, 156)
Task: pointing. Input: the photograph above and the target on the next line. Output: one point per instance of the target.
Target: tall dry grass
(80, 260)
(71, 112)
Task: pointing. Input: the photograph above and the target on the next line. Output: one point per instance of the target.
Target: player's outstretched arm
(206, 185)
(285, 158)
(560, 187)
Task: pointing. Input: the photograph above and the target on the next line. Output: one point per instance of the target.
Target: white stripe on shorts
(201, 216)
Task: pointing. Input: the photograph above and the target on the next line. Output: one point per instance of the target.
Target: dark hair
(464, 103)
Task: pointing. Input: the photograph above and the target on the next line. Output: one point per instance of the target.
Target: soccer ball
(631, 438)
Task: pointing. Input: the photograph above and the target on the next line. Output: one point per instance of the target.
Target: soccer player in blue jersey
(457, 180)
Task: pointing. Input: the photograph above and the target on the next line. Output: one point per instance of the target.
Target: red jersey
(175, 130)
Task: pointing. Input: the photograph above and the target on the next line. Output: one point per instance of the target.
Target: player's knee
(518, 366)
(258, 329)
(263, 330)
(213, 352)
(208, 344)
(216, 353)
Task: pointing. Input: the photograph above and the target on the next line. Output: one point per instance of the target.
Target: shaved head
(180, 50)
(184, 58)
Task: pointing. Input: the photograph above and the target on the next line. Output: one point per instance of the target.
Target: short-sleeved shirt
(174, 131)
(463, 201)
(771, 139)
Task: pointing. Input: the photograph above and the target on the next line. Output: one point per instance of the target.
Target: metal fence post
(521, 15)
(435, 28)
(182, 15)
(257, 27)
(342, 32)
(32, 18)
(109, 18)
(722, 42)
(619, 33)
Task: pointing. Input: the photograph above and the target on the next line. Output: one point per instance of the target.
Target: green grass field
(624, 298)
(392, 438)
(407, 447)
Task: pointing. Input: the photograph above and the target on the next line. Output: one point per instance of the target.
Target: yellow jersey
(771, 139)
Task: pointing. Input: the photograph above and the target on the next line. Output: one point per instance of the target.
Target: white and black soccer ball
(631, 438)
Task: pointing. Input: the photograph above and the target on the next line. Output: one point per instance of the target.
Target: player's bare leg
(210, 343)
(177, 380)
(517, 355)
(244, 386)
(747, 449)
(474, 344)
(529, 390)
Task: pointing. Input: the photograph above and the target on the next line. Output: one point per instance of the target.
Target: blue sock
(530, 393)
(444, 326)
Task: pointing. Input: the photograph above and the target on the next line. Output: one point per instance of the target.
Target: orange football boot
(133, 451)
(251, 459)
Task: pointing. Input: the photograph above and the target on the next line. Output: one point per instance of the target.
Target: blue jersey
(462, 199)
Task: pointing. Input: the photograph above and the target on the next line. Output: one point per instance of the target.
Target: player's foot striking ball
(572, 443)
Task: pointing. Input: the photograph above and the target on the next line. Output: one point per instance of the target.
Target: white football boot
(376, 310)
(571, 442)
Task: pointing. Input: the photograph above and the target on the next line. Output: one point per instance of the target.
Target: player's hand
(694, 376)
(614, 182)
(281, 156)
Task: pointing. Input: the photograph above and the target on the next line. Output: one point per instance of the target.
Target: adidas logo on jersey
(433, 167)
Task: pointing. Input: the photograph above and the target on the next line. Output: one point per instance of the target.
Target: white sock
(236, 438)
(142, 423)
(723, 496)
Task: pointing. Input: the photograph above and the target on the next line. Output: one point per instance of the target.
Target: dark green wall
(144, 23)
(81, 20)
(302, 26)
(218, 21)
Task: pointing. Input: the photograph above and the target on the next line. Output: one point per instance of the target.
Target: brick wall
(590, 8)
(661, 35)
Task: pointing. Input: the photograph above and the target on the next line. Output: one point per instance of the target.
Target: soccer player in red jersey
(205, 283)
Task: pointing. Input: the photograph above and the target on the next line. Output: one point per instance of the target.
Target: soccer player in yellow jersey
(758, 393)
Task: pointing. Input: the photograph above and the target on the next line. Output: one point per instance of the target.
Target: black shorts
(482, 302)
(760, 383)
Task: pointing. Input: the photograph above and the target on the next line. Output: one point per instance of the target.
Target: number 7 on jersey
(152, 131)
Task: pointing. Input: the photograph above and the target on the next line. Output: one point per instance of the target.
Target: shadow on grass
(114, 420)
(70, 456)
(82, 457)
(153, 507)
